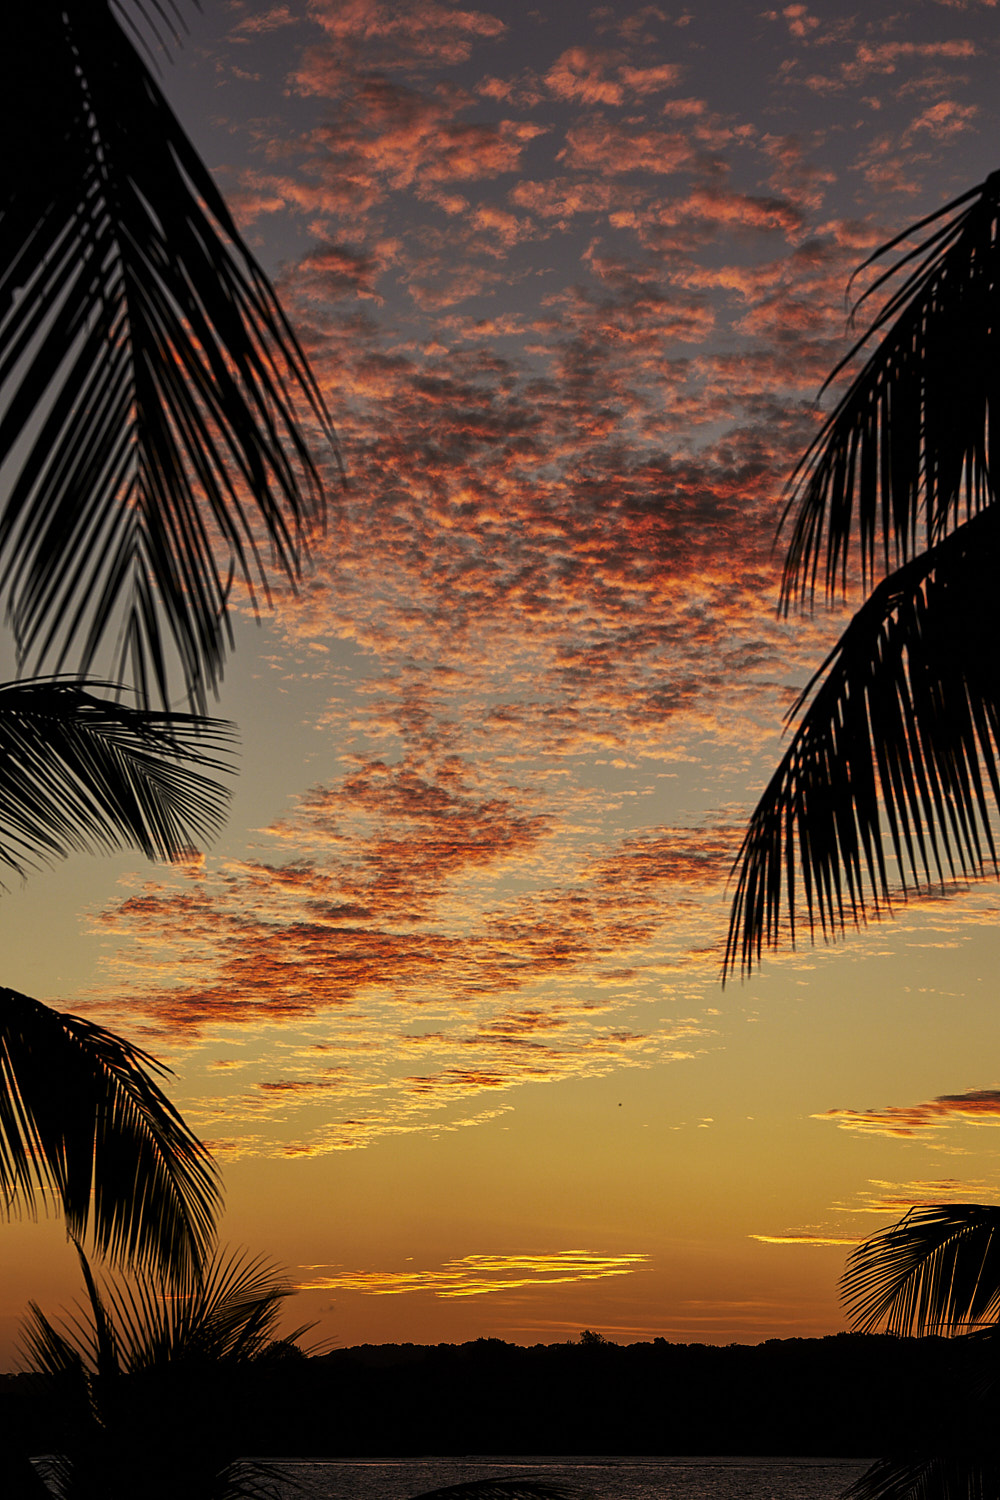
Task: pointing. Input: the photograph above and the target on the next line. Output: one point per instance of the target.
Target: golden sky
(445, 997)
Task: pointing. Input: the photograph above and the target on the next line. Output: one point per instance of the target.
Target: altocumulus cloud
(570, 319)
(480, 1275)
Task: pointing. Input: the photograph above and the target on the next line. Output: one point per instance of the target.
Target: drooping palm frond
(936, 1271)
(153, 394)
(901, 737)
(81, 1114)
(955, 1477)
(913, 443)
(138, 1366)
(80, 772)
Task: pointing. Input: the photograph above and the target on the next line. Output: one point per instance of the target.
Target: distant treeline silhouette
(847, 1394)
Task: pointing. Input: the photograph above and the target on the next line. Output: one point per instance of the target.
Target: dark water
(603, 1478)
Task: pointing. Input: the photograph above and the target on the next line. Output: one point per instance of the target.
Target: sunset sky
(445, 995)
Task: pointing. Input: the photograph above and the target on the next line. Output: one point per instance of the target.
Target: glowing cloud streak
(481, 1275)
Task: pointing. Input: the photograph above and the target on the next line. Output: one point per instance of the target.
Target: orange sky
(445, 996)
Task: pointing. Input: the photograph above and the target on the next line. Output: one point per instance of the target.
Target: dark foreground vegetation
(850, 1394)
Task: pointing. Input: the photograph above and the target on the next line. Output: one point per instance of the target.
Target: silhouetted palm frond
(228, 1314)
(901, 737)
(19, 1479)
(139, 1366)
(936, 1271)
(80, 1114)
(912, 444)
(153, 393)
(81, 772)
(960, 1477)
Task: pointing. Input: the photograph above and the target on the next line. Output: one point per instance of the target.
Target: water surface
(603, 1478)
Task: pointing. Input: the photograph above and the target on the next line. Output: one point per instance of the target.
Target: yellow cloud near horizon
(807, 1239)
(480, 1275)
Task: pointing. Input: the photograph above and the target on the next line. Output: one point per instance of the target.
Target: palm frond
(157, 14)
(82, 772)
(957, 1477)
(155, 399)
(227, 1314)
(19, 1477)
(252, 1479)
(138, 1361)
(80, 1113)
(936, 1271)
(49, 1350)
(912, 444)
(901, 738)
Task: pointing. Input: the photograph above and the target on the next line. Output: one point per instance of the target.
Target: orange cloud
(379, 33)
(263, 21)
(977, 1107)
(944, 120)
(604, 146)
(585, 74)
(897, 1198)
(800, 22)
(591, 75)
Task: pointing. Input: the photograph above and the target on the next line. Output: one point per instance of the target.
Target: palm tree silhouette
(156, 417)
(936, 1271)
(891, 776)
(136, 1375)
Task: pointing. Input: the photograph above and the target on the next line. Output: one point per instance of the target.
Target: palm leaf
(913, 442)
(942, 1477)
(936, 1271)
(228, 1314)
(154, 396)
(19, 1478)
(80, 1114)
(900, 739)
(81, 772)
(139, 1356)
(252, 1479)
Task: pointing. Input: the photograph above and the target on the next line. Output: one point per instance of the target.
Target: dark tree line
(850, 1395)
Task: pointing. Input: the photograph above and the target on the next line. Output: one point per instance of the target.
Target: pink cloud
(586, 74)
(944, 120)
(600, 145)
(594, 75)
(264, 21)
(382, 34)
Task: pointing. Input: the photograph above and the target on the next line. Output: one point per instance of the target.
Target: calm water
(603, 1478)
